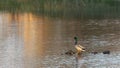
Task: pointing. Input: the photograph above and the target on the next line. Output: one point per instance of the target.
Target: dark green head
(75, 38)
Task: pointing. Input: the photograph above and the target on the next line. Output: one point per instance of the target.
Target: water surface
(31, 41)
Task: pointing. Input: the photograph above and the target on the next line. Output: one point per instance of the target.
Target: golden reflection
(33, 35)
(27, 26)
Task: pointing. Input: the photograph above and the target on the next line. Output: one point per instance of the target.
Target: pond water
(31, 41)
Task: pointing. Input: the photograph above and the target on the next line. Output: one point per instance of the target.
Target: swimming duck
(78, 46)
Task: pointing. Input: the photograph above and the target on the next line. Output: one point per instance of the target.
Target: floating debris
(94, 53)
(70, 52)
(106, 52)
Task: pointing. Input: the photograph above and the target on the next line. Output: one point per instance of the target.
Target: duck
(78, 47)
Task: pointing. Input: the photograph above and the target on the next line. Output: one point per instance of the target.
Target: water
(30, 41)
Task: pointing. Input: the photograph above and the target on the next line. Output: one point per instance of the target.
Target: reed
(84, 9)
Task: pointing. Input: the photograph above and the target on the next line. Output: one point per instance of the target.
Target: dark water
(30, 41)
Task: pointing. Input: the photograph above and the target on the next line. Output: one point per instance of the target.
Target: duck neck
(75, 43)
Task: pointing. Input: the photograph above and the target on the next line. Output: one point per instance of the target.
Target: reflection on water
(29, 41)
(11, 49)
(33, 28)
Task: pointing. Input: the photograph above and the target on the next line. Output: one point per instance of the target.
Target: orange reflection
(33, 35)
(29, 27)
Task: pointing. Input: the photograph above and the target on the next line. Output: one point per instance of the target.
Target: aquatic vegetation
(65, 8)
